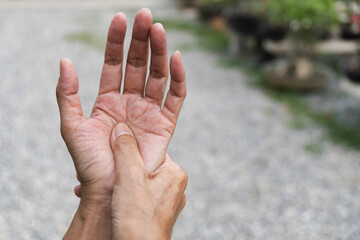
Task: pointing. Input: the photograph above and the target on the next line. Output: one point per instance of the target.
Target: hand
(144, 206)
(88, 139)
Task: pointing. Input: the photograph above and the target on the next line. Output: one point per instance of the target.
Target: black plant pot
(208, 12)
(244, 24)
(274, 33)
(347, 34)
(353, 75)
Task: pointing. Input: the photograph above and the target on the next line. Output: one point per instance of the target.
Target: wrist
(96, 218)
(92, 219)
(160, 232)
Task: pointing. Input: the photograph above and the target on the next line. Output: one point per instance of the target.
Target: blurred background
(269, 134)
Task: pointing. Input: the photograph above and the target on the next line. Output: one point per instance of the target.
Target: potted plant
(249, 19)
(244, 17)
(351, 31)
(307, 21)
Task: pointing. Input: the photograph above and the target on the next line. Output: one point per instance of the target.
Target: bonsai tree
(307, 20)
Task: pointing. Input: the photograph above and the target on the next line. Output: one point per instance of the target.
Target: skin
(144, 206)
(139, 107)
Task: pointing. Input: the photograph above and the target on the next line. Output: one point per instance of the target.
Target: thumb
(67, 95)
(127, 157)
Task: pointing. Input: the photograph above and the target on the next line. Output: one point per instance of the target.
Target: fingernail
(122, 129)
(178, 52)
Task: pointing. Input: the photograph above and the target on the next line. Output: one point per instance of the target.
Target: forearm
(92, 220)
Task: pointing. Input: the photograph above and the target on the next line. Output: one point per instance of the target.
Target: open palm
(139, 106)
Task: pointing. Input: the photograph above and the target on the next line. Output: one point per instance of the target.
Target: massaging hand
(139, 106)
(144, 206)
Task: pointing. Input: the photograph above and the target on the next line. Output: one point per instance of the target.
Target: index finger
(112, 70)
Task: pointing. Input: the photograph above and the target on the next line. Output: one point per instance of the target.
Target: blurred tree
(305, 18)
(307, 21)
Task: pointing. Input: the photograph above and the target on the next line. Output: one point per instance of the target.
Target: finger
(112, 70)
(136, 67)
(77, 191)
(159, 69)
(67, 95)
(128, 160)
(177, 92)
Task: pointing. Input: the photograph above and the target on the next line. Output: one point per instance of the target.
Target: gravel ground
(249, 175)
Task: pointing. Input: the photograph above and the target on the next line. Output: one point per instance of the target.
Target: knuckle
(181, 178)
(157, 74)
(179, 174)
(112, 59)
(125, 142)
(136, 61)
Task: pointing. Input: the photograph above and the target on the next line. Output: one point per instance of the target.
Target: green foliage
(336, 130)
(307, 19)
(298, 123)
(309, 13)
(314, 148)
